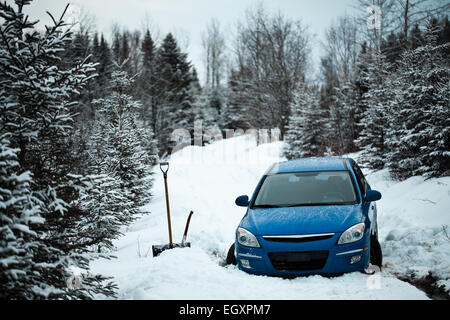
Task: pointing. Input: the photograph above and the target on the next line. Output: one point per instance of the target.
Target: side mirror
(242, 201)
(373, 195)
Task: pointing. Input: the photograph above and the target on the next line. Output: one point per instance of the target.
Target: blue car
(308, 216)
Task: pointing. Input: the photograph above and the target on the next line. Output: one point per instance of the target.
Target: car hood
(301, 220)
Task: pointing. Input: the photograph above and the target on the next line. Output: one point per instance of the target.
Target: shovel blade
(157, 249)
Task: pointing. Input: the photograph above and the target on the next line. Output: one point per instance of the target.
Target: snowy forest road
(207, 180)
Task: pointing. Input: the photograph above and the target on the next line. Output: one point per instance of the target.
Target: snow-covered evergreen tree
(174, 99)
(379, 106)
(36, 117)
(130, 151)
(102, 197)
(236, 111)
(305, 129)
(102, 55)
(19, 211)
(361, 83)
(149, 145)
(109, 209)
(146, 81)
(343, 111)
(419, 139)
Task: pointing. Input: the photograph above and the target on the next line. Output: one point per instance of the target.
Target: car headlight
(352, 234)
(246, 238)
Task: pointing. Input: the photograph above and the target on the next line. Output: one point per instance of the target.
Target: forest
(84, 117)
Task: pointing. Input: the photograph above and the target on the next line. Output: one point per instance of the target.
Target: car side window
(360, 178)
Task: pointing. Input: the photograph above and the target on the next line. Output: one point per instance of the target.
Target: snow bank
(207, 180)
(414, 216)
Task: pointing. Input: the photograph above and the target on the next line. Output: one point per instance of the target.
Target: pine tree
(147, 81)
(393, 46)
(130, 154)
(102, 55)
(116, 47)
(361, 83)
(19, 211)
(419, 139)
(444, 36)
(416, 39)
(236, 111)
(375, 121)
(76, 51)
(36, 116)
(174, 95)
(124, 47)
(327, 103)
(201, 106)
(102, 196)
(343, 110)
(305, 128)
(215, 103)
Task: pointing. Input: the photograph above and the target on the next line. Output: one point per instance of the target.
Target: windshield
(306, 188)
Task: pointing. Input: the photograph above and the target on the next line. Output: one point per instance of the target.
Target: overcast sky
(187, 19)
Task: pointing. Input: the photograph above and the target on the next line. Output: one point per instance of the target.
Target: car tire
(231, 259)
(376, 255)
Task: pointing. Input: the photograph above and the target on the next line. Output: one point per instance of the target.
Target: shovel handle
(166, 190)
(166, 165)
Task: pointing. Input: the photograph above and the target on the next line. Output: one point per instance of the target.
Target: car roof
(310, 164)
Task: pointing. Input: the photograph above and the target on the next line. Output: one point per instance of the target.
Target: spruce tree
(130, 150)
(305, 128)
(419, 139)
(36, 116)
(102, 196)
(102, 56)
(19, 211)
(146, 82)
(374, 123)
(236, 111)
(343, 110)
(173, 91)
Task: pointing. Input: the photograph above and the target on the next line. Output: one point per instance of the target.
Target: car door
(369, 207)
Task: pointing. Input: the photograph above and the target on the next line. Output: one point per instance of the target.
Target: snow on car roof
(309, 164)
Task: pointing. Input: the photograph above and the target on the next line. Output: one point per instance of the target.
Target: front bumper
(338, 260)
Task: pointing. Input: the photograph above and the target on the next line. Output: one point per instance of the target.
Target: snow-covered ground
(207, 180)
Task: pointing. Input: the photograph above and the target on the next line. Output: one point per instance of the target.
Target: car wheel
(376, 256)
(231, 259)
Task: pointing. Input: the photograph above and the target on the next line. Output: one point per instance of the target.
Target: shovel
(157, 249)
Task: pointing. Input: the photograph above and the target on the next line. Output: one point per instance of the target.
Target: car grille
(299, 261)
(299, 238)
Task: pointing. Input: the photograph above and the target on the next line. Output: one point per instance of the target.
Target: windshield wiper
(267, 206)
(286, 205)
